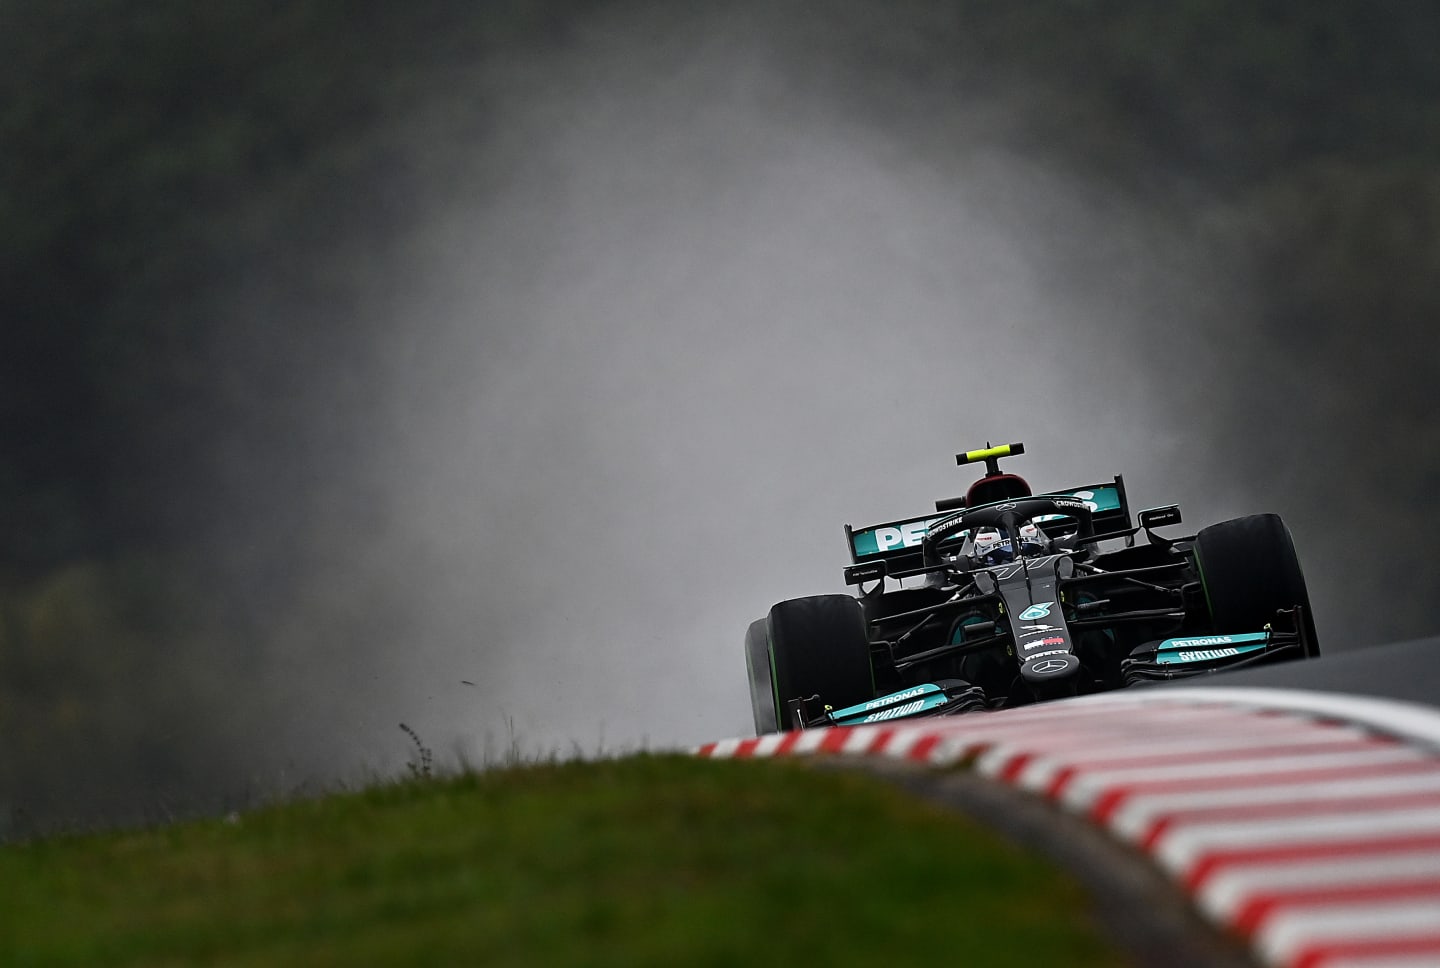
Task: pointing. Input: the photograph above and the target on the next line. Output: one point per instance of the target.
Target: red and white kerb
(1308, 823)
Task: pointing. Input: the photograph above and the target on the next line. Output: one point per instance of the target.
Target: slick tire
(1250, 571)
(762, 689)
(819, 646)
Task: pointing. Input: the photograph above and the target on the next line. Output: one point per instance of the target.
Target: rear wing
(897, 543)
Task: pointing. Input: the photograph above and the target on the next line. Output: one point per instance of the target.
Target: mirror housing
(1159, 517)
(869, 571)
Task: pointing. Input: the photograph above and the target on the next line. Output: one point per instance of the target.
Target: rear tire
(757, 664)
(819, 646)
(1250, 571)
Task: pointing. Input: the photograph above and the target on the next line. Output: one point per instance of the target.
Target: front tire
(757, 664)
(819, 647)
(1250, 571)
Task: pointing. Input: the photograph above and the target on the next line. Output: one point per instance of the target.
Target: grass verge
(649, 860)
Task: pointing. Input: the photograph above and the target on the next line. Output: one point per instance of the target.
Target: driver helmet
(1033, 541)
(991, 548)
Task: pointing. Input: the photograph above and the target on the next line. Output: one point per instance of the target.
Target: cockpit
(996, 546)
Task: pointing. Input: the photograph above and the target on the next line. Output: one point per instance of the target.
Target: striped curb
(1306, 823)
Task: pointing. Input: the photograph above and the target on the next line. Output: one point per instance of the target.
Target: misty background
(488, 368)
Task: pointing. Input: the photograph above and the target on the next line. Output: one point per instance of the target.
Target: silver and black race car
(1005, 597)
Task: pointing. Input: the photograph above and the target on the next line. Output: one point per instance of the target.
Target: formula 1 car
(1006, 597)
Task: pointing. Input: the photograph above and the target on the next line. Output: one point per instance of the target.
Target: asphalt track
(1406, 671)
(1285, 816)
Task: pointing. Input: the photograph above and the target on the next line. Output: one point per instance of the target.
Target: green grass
(650, 860)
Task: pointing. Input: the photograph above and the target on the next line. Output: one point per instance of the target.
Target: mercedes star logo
(1049, 666)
